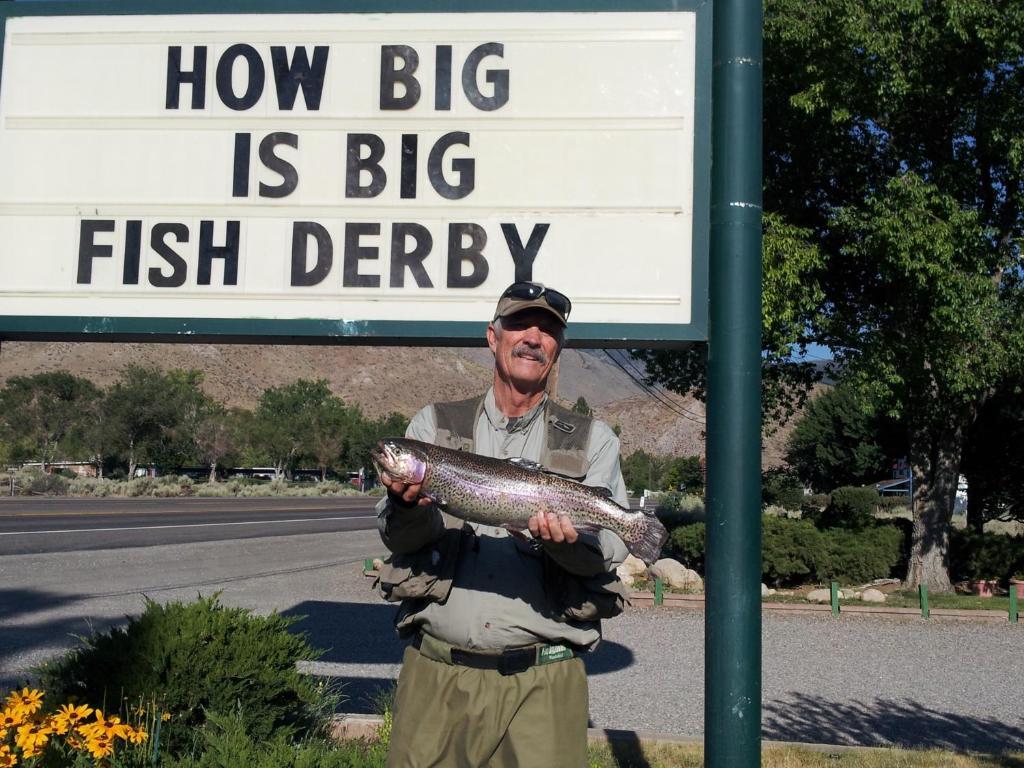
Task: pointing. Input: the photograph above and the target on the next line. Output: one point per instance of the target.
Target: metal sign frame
(406, 332)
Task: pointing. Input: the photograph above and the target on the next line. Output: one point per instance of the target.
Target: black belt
(508, 662)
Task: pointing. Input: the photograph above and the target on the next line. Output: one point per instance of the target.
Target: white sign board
(350, 175)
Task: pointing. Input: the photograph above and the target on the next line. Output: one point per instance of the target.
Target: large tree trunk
(935, 464)
(213, 472)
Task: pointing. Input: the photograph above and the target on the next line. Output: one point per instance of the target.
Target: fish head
(401, 459)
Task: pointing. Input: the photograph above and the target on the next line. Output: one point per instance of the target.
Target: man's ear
(492, 336)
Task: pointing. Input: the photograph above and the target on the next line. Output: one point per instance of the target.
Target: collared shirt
(498, 598)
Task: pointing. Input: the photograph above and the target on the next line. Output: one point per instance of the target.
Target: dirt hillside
(384, 379)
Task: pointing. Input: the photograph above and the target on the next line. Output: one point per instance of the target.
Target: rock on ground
(677, 575)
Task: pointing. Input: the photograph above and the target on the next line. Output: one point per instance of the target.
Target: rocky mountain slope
(385, 379)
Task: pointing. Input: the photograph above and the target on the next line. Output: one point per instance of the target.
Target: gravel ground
(852, 680)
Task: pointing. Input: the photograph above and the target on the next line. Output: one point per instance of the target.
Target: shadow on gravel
(28, 635)
(362, 633)
(884, 722)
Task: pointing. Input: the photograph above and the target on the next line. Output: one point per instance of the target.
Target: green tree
(897, 138)
(842, 439)
(283, 423)
(42, 413)
(581, 406)
(894, 151)
(641, 470)
(153, 415)
(994, 461)
(684, 471)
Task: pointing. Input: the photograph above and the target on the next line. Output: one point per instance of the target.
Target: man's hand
(407, 493)
(552, 527)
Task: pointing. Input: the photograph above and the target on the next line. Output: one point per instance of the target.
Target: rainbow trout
(508, 492)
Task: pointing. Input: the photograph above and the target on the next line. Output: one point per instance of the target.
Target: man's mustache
(525, 350)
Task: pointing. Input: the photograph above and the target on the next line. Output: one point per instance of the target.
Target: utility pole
(732, 714)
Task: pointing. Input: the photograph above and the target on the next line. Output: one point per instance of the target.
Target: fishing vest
(566, 434)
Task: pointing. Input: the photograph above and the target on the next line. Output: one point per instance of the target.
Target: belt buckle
(514, 663)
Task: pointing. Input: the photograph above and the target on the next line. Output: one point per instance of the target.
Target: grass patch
(631, 755)
(910, 599)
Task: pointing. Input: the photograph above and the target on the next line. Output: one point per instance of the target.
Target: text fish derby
(507, 493)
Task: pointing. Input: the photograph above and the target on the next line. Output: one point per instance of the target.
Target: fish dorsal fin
(529, 464)
(600, 489)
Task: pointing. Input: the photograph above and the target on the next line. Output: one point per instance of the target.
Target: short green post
(1013, 603)
(368, 564)
(659, 591)
(924, 601)
(835, 598)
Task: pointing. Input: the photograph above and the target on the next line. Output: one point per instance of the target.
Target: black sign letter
(389, 77)
(498, 78)
(256, 76)
(175, 77)
(301, 231)
(208, 252)
(524, 256)
(464, 166)
(473, 253)
(289, 176)
(400, 258)
(88, 250)
(354, 252)
(288, 77)
(371, 164)
(178, 266)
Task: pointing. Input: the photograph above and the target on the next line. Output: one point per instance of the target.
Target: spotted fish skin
(500, 492)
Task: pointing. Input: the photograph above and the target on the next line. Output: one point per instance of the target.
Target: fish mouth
(397, 462)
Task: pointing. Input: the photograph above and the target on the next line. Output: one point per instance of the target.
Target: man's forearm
(406, 528)
(590, 554)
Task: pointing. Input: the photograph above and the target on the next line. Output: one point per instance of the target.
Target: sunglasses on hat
(557, 300)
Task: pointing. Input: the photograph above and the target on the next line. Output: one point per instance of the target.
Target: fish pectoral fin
(528, 464)
(517, 533)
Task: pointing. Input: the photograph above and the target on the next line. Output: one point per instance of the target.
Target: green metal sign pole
(732, 712)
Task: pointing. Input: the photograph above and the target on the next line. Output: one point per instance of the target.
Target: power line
(661, 390)
(675, 408)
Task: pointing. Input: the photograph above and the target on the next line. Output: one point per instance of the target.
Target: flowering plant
(30, 737)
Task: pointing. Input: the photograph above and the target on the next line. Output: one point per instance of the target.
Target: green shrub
(974, 555)
(855, 557)
(791, 550)
(894, 505)
(35, 482)
(675, 509)
(196, 657)
(687, 544)
(227, 743)
(781, 487)
(851, 507)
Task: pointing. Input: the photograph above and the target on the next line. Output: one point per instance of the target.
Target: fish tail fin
(647, 546)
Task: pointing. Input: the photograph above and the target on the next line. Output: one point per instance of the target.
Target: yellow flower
(165, 716)
(32, 737)
(11, 718)
(28, 700)
(68, 716)
(101, 747)
(7, 760)
(103, 727)
(136, 735)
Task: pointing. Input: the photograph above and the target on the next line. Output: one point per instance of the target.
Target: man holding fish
(504, 558)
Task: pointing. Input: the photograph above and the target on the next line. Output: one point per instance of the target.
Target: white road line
(187, 525)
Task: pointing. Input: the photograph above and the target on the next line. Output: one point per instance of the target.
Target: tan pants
(459, 717)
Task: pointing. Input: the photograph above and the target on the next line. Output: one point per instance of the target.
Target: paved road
(64, 525)
(851, 680)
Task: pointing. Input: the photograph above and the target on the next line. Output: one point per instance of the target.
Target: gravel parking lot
(852, 680)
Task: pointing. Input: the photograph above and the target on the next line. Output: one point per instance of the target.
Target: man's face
(525, 347)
